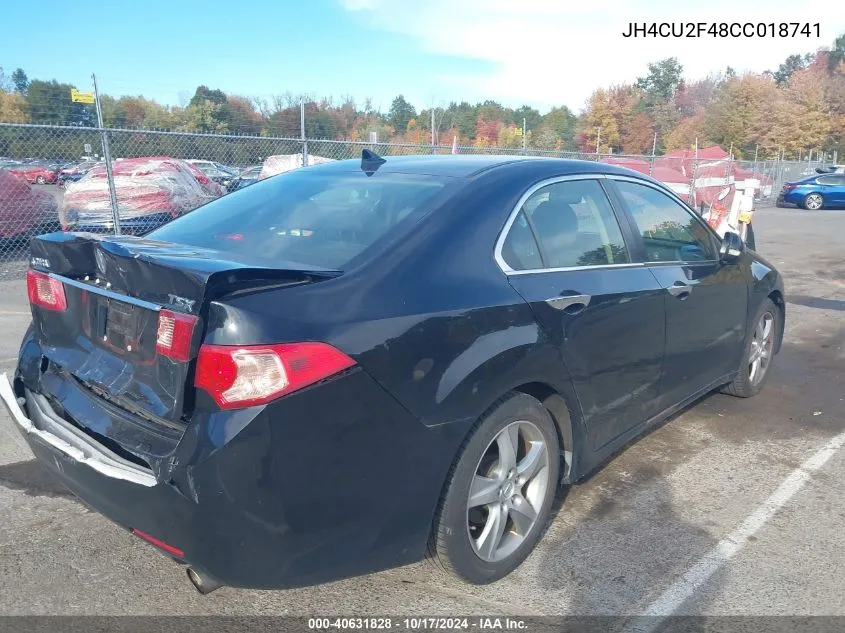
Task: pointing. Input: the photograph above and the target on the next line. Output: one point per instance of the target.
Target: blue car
(822, 191)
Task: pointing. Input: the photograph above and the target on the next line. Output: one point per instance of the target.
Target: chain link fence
(55, 178)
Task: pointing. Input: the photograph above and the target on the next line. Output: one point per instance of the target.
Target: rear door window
(575, 226)
(322, 220)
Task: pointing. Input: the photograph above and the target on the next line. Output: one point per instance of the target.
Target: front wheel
(40, 180)
(759, 353)
(499, 493)
(813, 202)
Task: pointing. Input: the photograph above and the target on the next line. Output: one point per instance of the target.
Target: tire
(747, 383)
(40, 180)
(813, 201)
(458, 544)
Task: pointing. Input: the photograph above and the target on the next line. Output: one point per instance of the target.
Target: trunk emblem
(182, 302)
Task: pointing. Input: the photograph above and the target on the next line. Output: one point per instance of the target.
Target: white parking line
(673, 598)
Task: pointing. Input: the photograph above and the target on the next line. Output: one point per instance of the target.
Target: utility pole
(653, 152)
(432, 127)
(107, 155)
(302, 132)
(524, 135)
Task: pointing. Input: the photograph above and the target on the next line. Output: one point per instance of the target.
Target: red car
(37, 174)
(24, 211)
(150, 192)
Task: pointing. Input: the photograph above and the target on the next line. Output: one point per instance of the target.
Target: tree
(204, 93)
(400, 113)
(686, 133)
(12, 107)
(836, 57)
(49, 102)
(560, 123)
(638, 135)
(530, 115)
(737, 115)
(662, 80)
(789, 66)
(599, 123)
(20, 81)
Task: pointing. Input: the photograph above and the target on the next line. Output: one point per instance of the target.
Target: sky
(543, 53)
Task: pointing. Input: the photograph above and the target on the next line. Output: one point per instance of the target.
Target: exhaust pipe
(202, 583)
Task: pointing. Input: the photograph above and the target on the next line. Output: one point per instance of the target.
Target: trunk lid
(116, 288)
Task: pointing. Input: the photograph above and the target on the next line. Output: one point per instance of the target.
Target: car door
(706, 300)
(833, 189)
(563, 250)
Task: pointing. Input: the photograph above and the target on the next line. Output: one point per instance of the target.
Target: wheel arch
(777, 298)
(557, 406)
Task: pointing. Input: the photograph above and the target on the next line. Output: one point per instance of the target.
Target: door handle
(680, 290)
(571, 304)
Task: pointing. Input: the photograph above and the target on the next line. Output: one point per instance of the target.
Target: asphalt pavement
(732, 507)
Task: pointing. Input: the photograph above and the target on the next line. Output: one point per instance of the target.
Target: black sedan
(347, 367)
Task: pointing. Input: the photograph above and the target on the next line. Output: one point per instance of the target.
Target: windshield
(321, 220)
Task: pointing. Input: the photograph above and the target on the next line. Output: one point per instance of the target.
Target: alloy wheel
(813, 202)
(507, 491)
(762, 347)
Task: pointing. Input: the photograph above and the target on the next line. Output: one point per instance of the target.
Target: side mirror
(732, 247)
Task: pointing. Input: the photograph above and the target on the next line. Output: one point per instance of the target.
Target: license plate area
(124, 327)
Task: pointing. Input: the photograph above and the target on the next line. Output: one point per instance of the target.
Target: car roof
(469, 165)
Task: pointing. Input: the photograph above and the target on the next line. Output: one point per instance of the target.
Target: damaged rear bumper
(49, 430)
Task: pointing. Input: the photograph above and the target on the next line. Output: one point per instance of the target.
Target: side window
(575, 225)
(670, 232)
(520, 250)
(833, 179)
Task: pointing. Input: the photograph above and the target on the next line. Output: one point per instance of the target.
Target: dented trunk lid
(116, 288)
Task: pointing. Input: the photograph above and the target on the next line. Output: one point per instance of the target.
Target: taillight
(251, 375)
(175, 331)
(45, 292)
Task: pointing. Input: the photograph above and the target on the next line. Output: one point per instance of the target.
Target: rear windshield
(321, 220)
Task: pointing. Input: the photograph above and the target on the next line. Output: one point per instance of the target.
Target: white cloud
(548, 52)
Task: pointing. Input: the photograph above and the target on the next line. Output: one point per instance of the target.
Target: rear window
(321, 220)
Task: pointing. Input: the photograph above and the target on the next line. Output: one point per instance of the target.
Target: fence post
(104, 136)
(653, 152)
(302, 132)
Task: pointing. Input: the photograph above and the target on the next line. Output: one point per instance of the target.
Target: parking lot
(620, 543)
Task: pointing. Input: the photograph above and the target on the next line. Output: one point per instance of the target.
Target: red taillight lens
(45, 292)
(175, 331)
(247, 376)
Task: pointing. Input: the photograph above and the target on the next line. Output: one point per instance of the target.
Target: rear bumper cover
(335, 481)
(52, 432)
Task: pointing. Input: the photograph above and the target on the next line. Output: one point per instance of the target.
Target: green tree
(561, 123)
(20, 81)
(530, 115)
(204, 93)
(400, 113)
(789, 66)
(662, 81)
(49, 102)
(837, 54)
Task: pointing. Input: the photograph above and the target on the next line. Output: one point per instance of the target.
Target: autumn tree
(737, 113)
(638, 134)
(599, 123)
(687, 133)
